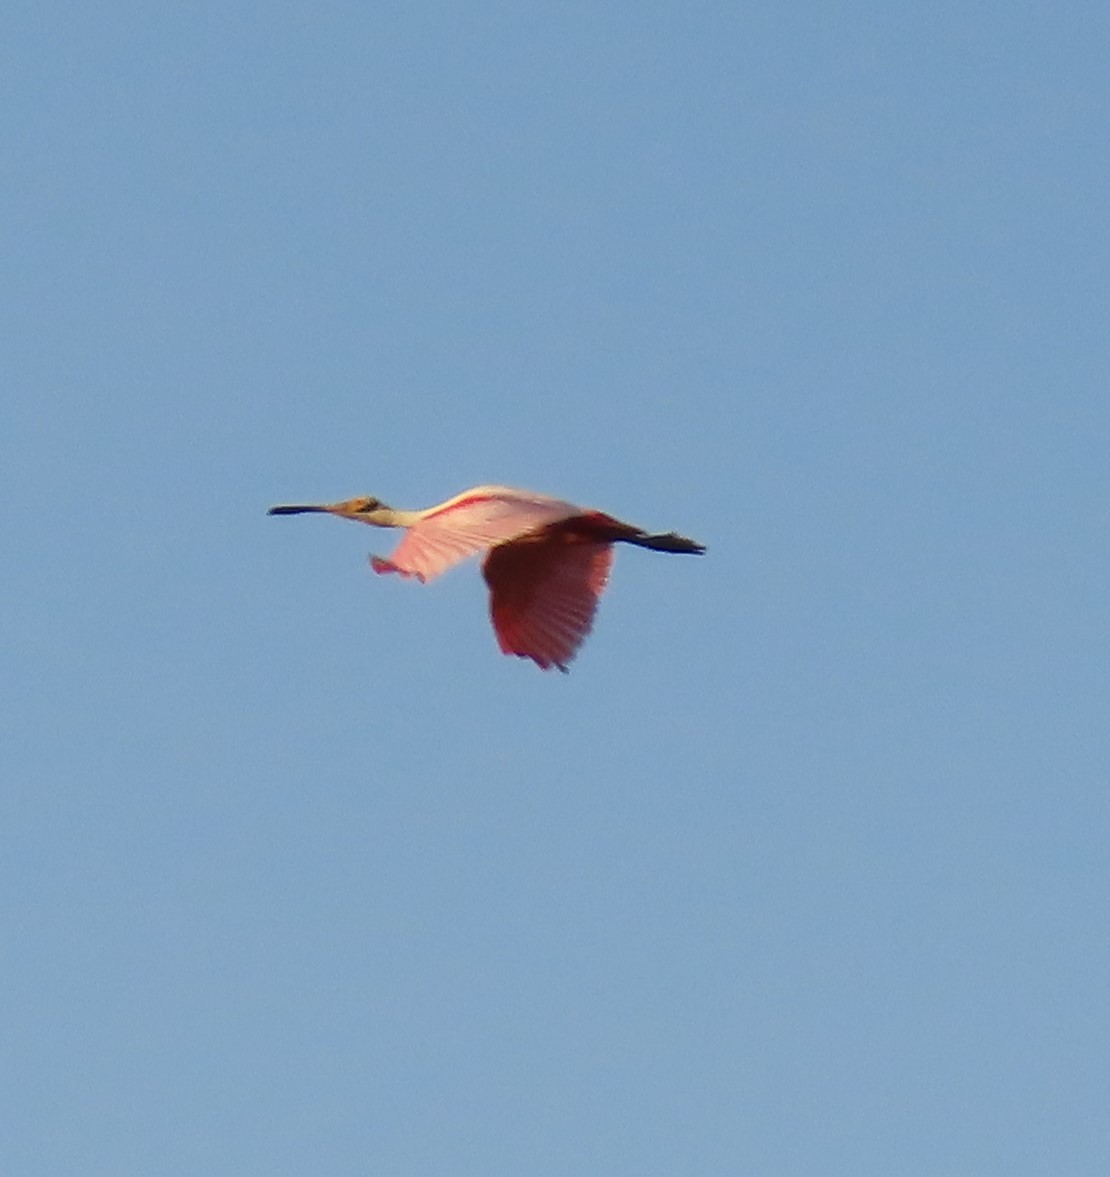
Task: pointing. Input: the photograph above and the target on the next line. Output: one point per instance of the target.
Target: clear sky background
(804, 868)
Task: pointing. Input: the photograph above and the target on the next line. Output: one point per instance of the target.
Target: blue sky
(803, 868)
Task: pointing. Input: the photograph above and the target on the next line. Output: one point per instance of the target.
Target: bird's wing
(472, 522)
(544, 591)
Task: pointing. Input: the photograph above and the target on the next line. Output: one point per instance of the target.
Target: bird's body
(547, 561)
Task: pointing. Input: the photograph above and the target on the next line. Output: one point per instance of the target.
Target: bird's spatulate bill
(298, 509)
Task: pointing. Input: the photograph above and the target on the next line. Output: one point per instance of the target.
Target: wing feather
(470, 523)
(544, 590)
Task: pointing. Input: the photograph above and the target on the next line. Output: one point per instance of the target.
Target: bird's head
(366, 509)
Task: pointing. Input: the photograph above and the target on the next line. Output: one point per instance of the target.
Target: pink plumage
(472, 522)
(547, 561)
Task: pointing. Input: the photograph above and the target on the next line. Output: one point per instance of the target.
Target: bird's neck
(391, 517)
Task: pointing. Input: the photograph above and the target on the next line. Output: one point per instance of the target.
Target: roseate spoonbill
(547, 561)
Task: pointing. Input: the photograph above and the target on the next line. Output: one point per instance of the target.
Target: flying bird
(547, 561)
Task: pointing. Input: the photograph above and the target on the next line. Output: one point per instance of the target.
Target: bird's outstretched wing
(544, 591)
(472, 522)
